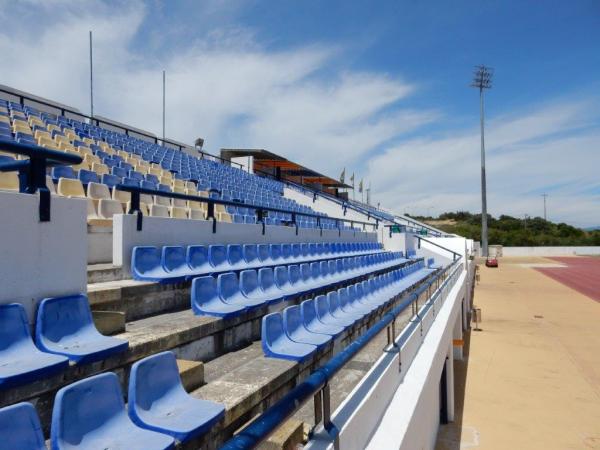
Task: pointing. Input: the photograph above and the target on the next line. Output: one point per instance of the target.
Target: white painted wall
(549, 251)
(247, 163)
(41, 259)
(100, 245)
(392, 408)
(163, 231)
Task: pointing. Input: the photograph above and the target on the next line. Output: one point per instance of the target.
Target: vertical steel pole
(91, 79)
(484, 227)
(163, 111)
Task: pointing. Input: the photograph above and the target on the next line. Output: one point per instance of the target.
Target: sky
(380, 88)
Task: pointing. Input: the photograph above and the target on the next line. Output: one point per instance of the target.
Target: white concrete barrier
(41, 259)
(550, 251)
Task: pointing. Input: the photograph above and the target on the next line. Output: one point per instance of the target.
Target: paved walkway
(532, 376)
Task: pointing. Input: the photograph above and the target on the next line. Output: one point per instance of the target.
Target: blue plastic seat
(118, 172)
(62, 172)
(313, 324)
(263, 253)
(146, 264)
(87, 176)
(229, 290)
(197, 259)
(64, 326)
(250, 252)
(266, 280)
(346, 298)
(286, 252)
(157, 400)
(295, 278)
(110, 180)
(292, 323)
(174, 261)
(235, 256)
(206, 299)
(323, 310)
(275, 253)
(90, 414)
(217, 257)
(21, 361)
(250, 286)
(276, 343)
(346, 318)
(282, 280)
(20, 428)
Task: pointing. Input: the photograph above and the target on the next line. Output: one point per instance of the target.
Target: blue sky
(380, 88)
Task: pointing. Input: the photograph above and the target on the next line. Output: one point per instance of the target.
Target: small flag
(352, 180)
(343, 176)
(360, 186)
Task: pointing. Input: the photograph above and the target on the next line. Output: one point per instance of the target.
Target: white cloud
(224, 86)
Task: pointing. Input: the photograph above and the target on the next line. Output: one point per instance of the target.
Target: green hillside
(511, 231)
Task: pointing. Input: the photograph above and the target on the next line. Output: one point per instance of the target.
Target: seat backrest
(275, 251)
(145, 259)
(286, 251)
(14, 329)
(217, 255)
(228, 285)
(249, 282)
(292, 319)
(107, 208)
(294, 274)
(263, 252)
(159, 210)
(20, 428)
(322, 307)
(70, 188)
(87, 176)
(203, 289)
(305, 272)
(315, 270)
(304, 249)
(332, 266)
(272, 328)
(173, 257)
(282, 279)
(312, 247)
(62, 316)
(97, 190)
(308, 311)
(197, 256)
(110, 180)
(250, 252)
(234, 254)
(266, 278)
(324, 268)
(334, 301)
(85, 406)
(296, 250)
(152, 379)
(343, 297)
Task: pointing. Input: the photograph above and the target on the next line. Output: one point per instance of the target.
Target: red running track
(581, 273)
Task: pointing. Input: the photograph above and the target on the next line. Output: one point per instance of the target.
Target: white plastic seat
(9, 181)
(70, 188)
(178, 212)
(196, 214)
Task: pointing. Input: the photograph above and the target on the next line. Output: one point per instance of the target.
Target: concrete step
(289, 436)
(138, 299)
(191, 373)
(98, 273)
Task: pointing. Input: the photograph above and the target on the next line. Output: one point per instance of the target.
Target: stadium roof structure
(266, 161)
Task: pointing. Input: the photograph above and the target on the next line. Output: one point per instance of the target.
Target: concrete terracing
(531, 378)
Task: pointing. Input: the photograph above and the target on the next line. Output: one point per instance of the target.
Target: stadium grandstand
(155, 296)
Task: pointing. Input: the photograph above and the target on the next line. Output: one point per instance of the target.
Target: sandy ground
(532, 376)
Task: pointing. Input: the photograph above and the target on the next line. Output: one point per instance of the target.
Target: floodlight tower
(483, 80)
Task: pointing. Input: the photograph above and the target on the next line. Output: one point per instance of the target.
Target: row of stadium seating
(174, 263)
(64, 332)
(299, 331)
(112, 158)
(91, 413)
(228, 295)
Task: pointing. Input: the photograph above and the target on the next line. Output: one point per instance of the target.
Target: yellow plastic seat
(158, 210)
(196, 214)
(66, 146)
(141, 169)
(88, 140)
(122, 196)
(178, 184)
(70, 188)
(155, 171)
(51, 127)
(85, 150)
(9, 181)
(59, 139)
(224, 217)
(91, 159)
(162, 201)
(41, 133)
(178, 212)
(100, 168)
(104, 212)
(164, 180)
(5, 119)
(97, 192)
(178, 202)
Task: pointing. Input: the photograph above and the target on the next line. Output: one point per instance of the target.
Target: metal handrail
(269, 421)
(32, 171)
(211, 202)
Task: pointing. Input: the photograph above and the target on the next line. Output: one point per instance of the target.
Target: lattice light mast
(483, 80)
